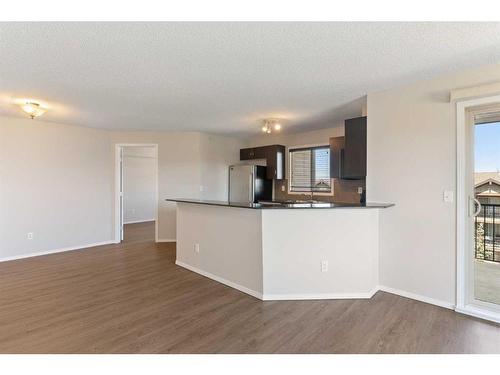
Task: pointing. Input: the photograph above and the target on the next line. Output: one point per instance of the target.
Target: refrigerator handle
(251, 192)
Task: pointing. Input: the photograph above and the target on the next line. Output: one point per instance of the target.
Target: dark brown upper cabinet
(348, 153)
(336, 156)
(355, 149)
(252, 153)
(275, 159)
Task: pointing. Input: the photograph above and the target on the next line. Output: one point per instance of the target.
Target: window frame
(289, 170)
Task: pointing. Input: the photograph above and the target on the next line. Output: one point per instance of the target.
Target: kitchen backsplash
(345, 191)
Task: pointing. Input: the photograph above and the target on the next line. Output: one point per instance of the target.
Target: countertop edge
(256, 206)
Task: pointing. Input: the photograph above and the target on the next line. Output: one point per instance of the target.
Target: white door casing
(118, 216)
(466, 302)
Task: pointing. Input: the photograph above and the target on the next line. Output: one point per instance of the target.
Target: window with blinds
(310, 169)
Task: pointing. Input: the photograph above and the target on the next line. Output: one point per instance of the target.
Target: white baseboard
(61, 250)
(417, 297)
(221, 280)
(277, 297)
(138, 221)
(166, 240)
(315, 296)
(479, 313)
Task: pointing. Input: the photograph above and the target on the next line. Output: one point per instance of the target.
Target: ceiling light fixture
(33, 109)
(270, 125)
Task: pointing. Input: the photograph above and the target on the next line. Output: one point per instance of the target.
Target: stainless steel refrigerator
(248, 184)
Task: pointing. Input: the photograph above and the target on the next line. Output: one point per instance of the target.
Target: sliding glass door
(478, 208)
(486, 211)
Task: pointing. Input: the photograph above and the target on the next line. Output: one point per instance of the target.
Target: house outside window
(310, 170)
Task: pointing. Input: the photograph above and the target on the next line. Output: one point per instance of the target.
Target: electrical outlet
(30, 235)
(282, 187)
(324, 266)
(196, 247)
(360, 190)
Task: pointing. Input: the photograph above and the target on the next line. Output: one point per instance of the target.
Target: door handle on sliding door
(478, 209)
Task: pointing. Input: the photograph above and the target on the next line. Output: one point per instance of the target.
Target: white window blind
(310, 169)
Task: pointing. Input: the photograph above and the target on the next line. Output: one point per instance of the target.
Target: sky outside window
(487, 147)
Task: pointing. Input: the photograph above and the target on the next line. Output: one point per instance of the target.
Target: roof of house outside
(489, 193)
(482, 177)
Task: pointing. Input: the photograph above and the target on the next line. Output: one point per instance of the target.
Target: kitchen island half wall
(282, 254)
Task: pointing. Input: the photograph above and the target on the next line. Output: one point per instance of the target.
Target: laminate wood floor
(132, 298)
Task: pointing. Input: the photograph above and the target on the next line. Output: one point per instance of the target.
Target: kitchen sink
(277, 203)
(270, 203)
(302, 201)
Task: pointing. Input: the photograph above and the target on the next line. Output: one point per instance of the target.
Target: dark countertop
(281, 205)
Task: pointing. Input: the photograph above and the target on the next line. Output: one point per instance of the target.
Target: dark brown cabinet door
(253, 153)
(260, 152)
(336, 157)
(247, 154)
(354, 166)
(275, 159)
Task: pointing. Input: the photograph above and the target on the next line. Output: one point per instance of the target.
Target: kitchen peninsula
(282, 251)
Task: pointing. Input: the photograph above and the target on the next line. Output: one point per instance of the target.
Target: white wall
(230, 242)
(187, 168)
(277, 254)
(57, 181)
(178, 171)
(295, 242)
(139, 184)
(411, 160)
(216, 155)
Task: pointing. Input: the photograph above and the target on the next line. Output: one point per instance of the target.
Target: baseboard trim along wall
(138, 221)
(292, 297)
(166, 240)
(417, 297)
(277, 297)
(481, 314)
(61, 250)
(221, 280)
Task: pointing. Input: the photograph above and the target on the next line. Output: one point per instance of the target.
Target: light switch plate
(324, 266)
(448, 196)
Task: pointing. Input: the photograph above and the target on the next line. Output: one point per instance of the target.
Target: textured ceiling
(225, 77)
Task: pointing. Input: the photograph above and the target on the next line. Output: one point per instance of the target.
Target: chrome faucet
(311, 197)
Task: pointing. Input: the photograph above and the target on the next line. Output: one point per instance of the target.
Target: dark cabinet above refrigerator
(348, 153)
(275, 159)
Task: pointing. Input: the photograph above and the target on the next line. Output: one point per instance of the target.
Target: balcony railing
(487, 233)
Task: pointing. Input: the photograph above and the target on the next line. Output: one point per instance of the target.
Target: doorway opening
(478, 208)
(136, 192)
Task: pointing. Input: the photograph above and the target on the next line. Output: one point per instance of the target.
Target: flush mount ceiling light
(270, 125)
(33, 109)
